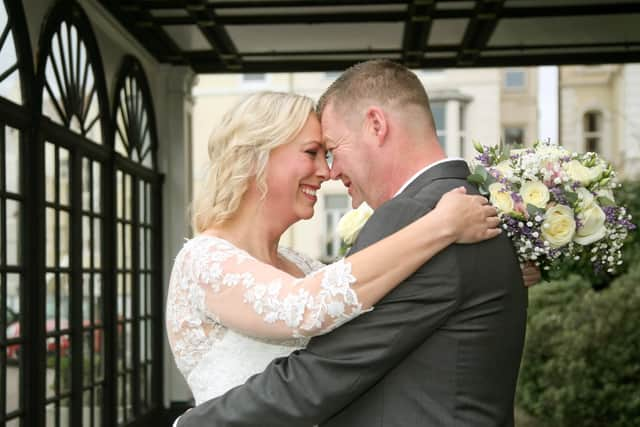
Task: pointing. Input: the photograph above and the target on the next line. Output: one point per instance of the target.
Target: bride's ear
(377, 124)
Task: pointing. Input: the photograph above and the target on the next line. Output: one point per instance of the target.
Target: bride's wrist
(443, 229)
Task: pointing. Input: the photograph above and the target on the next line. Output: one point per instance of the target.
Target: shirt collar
(423, 170)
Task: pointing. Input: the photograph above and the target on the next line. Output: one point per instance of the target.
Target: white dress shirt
(423, 170)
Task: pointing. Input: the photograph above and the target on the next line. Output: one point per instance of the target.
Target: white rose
(505, 169)
(501, 198)
(535, 193)
(350, 224)
(592, 228)
(585, 196)
(578, 172)
(559, 226)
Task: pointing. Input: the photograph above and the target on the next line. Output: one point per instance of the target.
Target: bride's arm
(259, 300)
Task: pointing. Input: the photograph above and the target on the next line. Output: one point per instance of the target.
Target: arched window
(592, 131)
(16, 77)
(71, 96)
(77, 326)
(137, 229)
(135, 128)
(10, 81)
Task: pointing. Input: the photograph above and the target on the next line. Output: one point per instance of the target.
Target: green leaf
(476, 179)
(605, 201)
(480, 170)
(478, 146)
(571, 197)
(534, 210)
(504, 151)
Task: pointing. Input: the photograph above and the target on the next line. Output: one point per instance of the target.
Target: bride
(236, 299)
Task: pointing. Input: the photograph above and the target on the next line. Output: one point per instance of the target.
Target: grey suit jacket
(442, 349)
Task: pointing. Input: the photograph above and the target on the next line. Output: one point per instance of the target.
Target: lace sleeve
(257, 299)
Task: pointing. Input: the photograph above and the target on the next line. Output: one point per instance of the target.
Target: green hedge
(582, 356)
(629, 196)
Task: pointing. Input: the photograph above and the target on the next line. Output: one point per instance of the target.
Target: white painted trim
(109, 25)
(239, 90)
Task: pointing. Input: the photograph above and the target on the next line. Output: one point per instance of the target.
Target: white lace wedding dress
(229, 315)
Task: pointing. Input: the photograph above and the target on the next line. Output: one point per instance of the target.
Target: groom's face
(350, 156)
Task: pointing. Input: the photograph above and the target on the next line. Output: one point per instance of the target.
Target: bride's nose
(322, 169)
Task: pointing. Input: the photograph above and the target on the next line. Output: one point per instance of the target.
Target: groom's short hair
(380, 80)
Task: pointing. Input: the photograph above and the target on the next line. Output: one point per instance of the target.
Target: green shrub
(629, 195)
(581, 365)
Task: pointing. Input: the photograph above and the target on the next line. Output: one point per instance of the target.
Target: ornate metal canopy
(305, 35)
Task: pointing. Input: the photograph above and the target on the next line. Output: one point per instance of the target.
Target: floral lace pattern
(216, 287)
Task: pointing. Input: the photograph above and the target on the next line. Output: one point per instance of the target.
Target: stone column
(174, 106)
(631, 130)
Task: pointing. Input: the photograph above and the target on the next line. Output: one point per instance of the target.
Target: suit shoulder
(398, 211)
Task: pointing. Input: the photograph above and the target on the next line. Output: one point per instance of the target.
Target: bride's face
(295, 172)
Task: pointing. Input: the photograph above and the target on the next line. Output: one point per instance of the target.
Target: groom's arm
(311, 385)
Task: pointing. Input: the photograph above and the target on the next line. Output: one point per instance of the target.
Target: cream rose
(350, 224)
(535, 193)
(501, 198)
(592, 226)
(558, 227)
(578, 172)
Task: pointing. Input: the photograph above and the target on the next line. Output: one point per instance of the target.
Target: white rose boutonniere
(350, 224)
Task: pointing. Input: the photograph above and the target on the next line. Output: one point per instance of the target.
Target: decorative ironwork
(135, 137)
(75, 310)
(136, 264)
(16, 76)
(9, 70)
(70, 92)
(59, 326)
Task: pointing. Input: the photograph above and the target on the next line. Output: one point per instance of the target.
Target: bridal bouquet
(557, 206)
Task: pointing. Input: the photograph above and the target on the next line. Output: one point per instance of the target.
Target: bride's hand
(470, 218)
(530, 274)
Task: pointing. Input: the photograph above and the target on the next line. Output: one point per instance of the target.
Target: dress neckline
(287, 253)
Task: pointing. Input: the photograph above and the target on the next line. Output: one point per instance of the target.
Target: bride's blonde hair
(239, 148)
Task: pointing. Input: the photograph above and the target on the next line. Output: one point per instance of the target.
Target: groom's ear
(377, 124)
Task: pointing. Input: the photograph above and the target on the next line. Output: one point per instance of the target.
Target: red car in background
(13, 331)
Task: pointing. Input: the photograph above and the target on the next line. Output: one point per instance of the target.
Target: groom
(443, 348)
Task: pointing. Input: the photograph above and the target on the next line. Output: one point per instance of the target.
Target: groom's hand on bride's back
(531, 274)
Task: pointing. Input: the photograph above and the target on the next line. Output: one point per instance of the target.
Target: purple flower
(516, 197)
(559, 196)
(483, 158)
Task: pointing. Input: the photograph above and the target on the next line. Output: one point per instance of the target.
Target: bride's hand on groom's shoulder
(470, 218)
